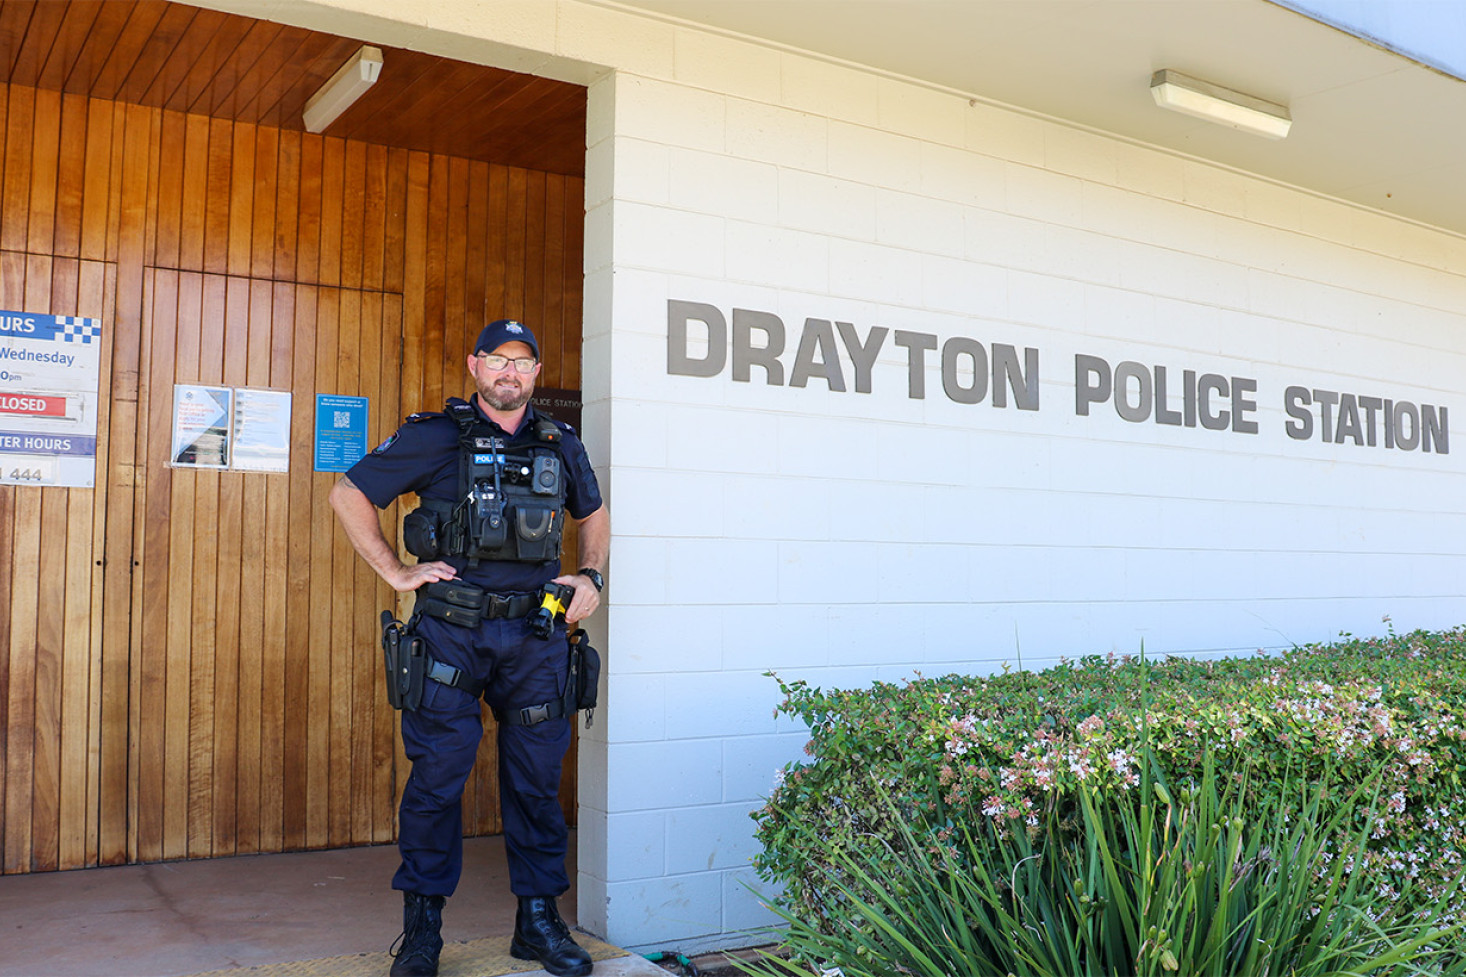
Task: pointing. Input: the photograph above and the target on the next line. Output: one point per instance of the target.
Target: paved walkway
(184, 918)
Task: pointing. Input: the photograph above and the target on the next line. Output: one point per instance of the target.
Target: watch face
(595, 577)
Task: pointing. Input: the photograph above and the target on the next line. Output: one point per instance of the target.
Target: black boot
(540, 934)
(421, 942)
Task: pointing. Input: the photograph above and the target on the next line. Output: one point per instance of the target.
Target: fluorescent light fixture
(1182, 93)
(349, 83)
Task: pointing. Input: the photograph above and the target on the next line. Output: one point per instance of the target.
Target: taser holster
(407, 664)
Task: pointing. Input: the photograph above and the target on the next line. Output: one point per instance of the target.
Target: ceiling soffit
(188, 59)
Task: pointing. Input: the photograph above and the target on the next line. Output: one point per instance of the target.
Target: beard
(506, 396)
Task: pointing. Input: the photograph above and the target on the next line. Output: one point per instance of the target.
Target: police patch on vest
(391, 439)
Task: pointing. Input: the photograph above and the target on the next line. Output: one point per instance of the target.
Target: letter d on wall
(680, 360)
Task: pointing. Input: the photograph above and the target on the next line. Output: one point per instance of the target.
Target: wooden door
(188, 659)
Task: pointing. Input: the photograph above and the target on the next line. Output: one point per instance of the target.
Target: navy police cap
(502, 331)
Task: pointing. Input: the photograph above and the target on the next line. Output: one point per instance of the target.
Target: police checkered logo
(73, 329)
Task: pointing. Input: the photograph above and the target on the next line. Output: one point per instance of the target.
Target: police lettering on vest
(511, 501)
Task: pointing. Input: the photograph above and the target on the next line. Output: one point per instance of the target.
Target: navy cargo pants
(442, 737)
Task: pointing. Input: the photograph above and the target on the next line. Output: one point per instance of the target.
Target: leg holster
(407, 664)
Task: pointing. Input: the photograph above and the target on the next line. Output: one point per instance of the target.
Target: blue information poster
(49, 367)
(341, 432)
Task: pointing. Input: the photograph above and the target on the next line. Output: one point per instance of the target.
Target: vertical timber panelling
(188, 663)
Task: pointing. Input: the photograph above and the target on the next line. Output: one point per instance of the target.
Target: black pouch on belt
(456, 603)
(407, 664)
(585, 676)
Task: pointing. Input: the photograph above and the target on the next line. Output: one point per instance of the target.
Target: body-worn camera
(545, 475)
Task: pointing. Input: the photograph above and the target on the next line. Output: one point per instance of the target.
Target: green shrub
(1134, 884)
(1014, 753)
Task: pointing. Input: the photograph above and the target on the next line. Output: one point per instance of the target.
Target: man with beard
(494, 480)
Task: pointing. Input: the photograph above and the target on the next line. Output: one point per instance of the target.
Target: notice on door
(201, 426)
(261, 431)
(49, 367)
(341, 432)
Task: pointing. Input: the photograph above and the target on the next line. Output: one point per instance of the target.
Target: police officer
(494, 479)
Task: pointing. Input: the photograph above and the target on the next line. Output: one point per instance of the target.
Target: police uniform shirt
(423, 456)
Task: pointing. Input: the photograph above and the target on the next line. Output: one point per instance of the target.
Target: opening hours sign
(49, 367)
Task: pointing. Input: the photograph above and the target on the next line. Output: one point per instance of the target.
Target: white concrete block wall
(843, 537)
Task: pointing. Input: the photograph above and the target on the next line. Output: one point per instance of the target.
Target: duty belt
(466, 605)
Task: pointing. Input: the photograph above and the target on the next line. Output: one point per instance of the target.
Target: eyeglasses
(494, 361)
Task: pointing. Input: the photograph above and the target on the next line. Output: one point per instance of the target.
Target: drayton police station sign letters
(1009, 377)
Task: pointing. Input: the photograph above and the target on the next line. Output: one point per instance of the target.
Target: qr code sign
(342, 418)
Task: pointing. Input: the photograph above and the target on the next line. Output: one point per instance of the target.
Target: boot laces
(556, 924)
(416, 938)
(545, 920)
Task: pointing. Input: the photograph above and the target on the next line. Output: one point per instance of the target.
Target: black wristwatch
(594, 576)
